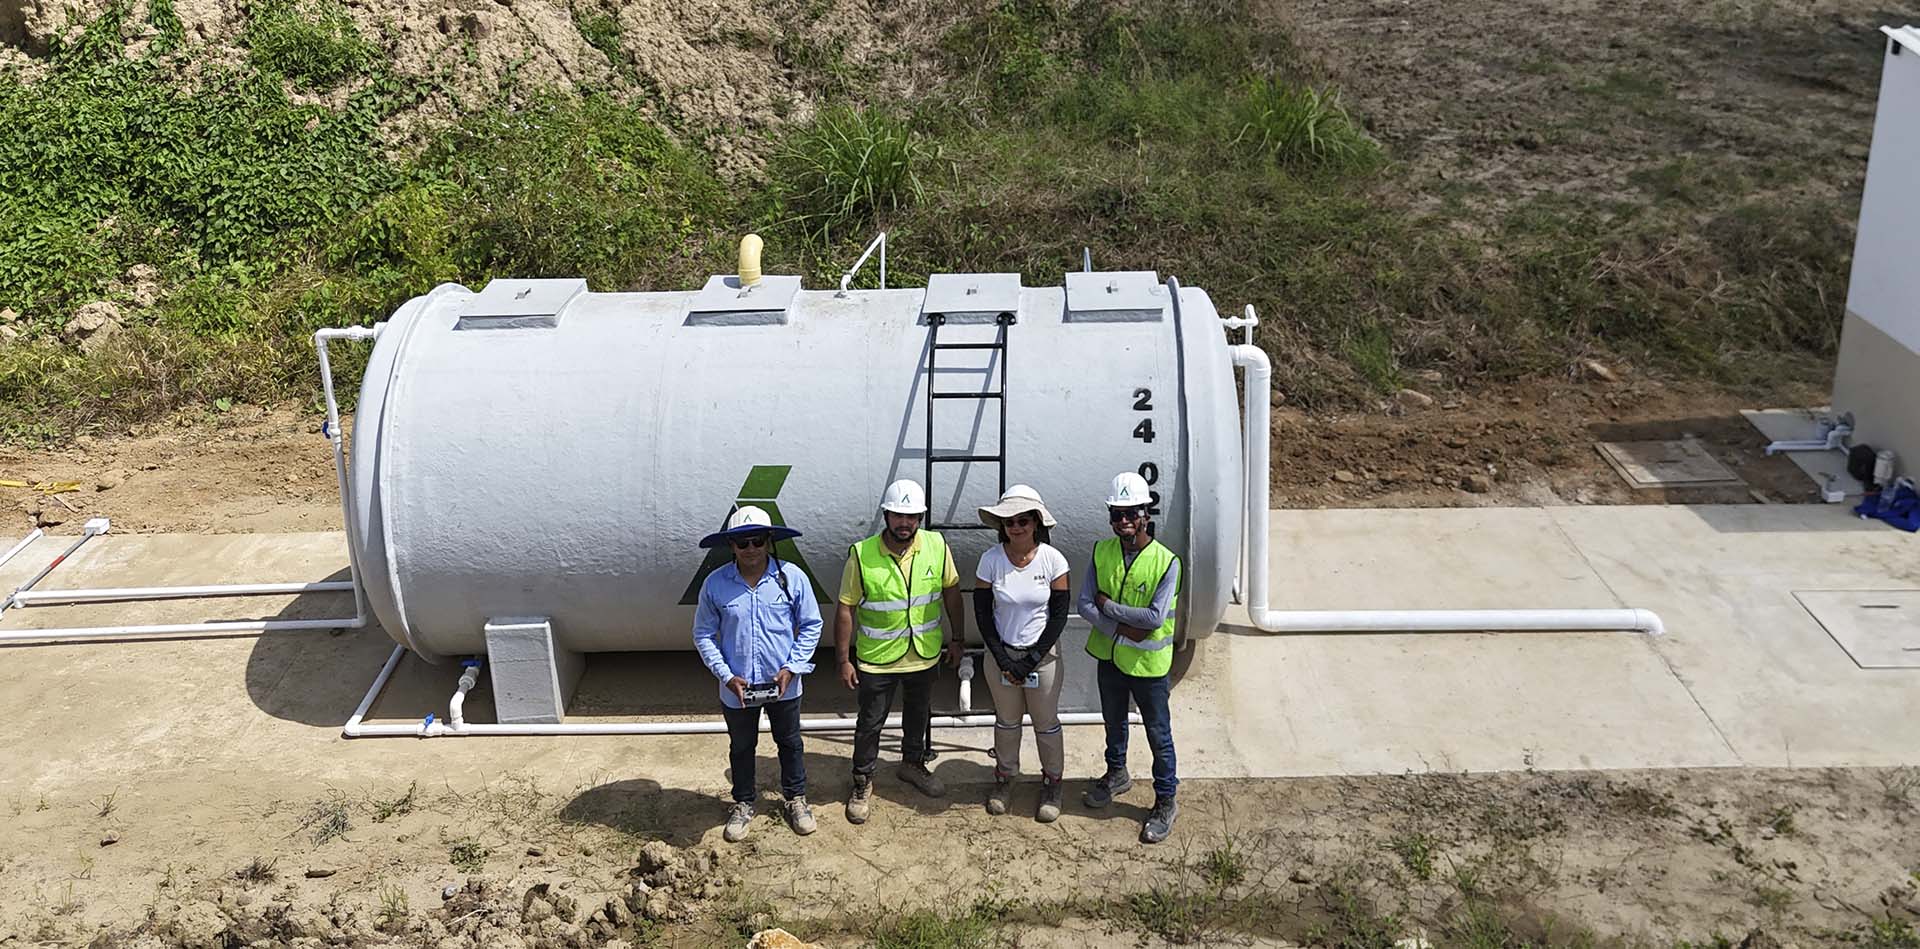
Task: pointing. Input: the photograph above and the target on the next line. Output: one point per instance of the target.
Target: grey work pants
(1010, 702)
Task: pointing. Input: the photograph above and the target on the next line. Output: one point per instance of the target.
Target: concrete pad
(1759, 665)
(1746, 677)
(1880, 629)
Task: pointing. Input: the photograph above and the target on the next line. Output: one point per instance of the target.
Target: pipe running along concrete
(431, 727)
(94, 528)
(125, 594)
(23, 597)
(1259, 380)
(24, 543)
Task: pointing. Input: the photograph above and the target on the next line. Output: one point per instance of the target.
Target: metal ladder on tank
(998, 459)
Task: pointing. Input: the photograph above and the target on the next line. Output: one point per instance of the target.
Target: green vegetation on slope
(1197, 141)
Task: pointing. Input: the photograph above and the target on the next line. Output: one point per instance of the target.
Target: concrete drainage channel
(448, 561)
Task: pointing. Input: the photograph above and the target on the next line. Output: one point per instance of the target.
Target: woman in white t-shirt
(1020, 606)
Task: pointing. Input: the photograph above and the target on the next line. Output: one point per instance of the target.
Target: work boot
(1002, 793)
(1159, 822)
(800, 816)
(738, 821)
(1050, 791)
(1105, 788)
(858, 801)
(916, 774)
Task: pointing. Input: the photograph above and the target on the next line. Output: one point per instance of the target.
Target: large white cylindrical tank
(536, 450)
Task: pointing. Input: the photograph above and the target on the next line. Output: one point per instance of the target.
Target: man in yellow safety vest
(888, 637)
(1130, 594)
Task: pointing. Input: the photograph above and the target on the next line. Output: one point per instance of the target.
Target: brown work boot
(858, 801)
(917, 774)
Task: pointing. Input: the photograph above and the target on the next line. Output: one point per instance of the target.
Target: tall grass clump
(313, 42)
(1302, 127)
(852, 165)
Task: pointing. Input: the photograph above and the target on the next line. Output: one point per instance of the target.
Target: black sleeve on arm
(989, 633)
(1057, 611)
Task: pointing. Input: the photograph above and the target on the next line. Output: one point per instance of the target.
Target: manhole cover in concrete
(1880, 629)
(1667, 464)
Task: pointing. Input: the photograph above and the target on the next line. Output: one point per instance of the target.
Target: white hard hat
(1129, 490)
(904, 497)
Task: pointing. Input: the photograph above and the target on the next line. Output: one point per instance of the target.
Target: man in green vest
(1129, 596)
(888, 636)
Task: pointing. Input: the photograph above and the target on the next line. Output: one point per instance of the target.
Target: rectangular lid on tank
(724, 302)
(519, 304)
(971, 297)
(1115, 296)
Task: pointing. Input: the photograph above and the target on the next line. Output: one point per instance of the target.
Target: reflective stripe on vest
(899, 611)
(1134, 585)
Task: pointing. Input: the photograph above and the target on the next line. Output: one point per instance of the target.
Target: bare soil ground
(1804, 858)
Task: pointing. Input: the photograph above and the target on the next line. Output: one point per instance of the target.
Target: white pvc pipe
(89, 633)
(116, 594)
(456, 705)
(1259, 379)
(320, 338)
(24, 543)
(431, 728)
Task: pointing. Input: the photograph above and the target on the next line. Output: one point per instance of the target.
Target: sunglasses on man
(758, 540)
(1118, 514)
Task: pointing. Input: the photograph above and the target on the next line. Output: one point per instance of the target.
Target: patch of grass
(1887, 933)
(1224, 866)
(1897, 786)
(1776, 900)
(383, 810)
(931, 929)
(1353, 922)
(1303, 127)
(468, 855)
(1416, 851)
(394, 911)
(326, 820)
(106, 805)
(313, 42)
(601, 30)
(851, 166)
(1780, 819)
(258, 871)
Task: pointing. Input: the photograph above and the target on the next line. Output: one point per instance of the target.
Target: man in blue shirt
(756, 627)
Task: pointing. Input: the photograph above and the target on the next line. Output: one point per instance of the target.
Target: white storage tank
(538, 450)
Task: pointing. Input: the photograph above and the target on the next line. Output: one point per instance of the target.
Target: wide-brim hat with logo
(746, 522)
(1019, 499)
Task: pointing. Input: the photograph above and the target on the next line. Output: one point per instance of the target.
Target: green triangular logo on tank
(763, 484)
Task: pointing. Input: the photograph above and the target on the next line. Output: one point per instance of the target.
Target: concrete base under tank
(1746, 677)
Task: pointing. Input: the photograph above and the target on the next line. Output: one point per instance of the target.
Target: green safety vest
(1134, 586)
(895, 609)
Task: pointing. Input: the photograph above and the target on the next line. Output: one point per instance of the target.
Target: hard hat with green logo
(1129, 490)
(904, 497)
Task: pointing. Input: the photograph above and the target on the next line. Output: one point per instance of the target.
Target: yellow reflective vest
(1134, 586)
(898, 611)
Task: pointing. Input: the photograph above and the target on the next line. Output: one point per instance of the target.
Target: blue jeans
(1151, 696)
(743, 732)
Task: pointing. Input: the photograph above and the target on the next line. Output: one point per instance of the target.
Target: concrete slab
(1746, 677)
(1880, 629)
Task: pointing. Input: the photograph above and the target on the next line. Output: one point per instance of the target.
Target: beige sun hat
(1019, 499)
